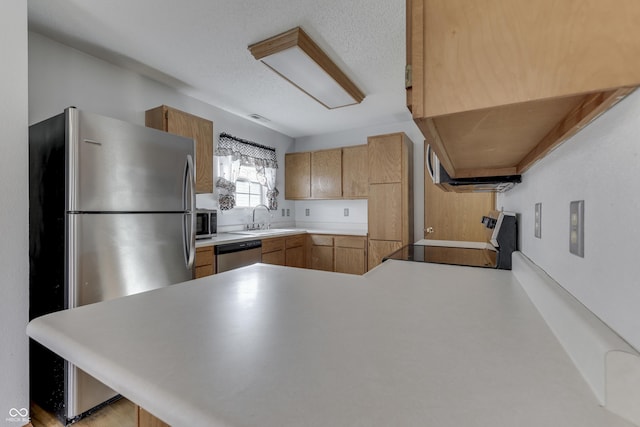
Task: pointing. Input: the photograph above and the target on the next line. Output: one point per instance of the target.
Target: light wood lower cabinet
(350, 254)
(321, 252)
(295, 252)
(378, 249)
(146, 419)
(342, 254)
(273, 251)
(204, 263)
(289, 251)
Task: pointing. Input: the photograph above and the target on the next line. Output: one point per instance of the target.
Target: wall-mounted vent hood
(484, 184)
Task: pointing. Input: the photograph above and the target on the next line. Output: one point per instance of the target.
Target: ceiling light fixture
(300, 60)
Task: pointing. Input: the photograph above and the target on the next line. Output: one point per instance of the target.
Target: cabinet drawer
(350, 242)
(321, 240)
(270, 245)
(295, 241)
(203, 271)
(204, 256)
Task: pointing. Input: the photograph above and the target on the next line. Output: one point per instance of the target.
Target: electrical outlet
(307, 212)
(576, 228)
(288, 212)
(282, 211)
(346, 211)
(538, 221)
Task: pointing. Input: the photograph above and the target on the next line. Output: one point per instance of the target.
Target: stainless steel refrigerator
(111, 214)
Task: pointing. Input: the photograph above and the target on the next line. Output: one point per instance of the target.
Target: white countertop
(407, 344)
(240, 235)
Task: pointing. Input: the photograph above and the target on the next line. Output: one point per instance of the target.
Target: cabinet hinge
(408, 80)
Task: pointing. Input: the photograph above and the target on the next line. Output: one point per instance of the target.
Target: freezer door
(115, 166)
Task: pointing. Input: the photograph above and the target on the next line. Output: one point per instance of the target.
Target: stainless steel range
(502, 236)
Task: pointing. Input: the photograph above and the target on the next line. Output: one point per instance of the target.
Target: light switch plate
(346, 211)
(576, 228)
(538, 221)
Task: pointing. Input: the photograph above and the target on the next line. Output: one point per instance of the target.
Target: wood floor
(121, 413)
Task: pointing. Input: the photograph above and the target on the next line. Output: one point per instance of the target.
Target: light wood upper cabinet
(355, 172)
(340, 173)
(385, 159)
(184, 124)
(297, 175)
(326, 174)
(495, 88)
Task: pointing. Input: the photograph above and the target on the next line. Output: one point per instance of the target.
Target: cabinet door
(385, 158)
(326, 174)
(322, 258)
(295, 257)
(350, 260)
(273, 251)
(568, 47)
(185, 124)
(297, 175)
(385, 211)
(275, 257)
(378, 249)
(355, 172)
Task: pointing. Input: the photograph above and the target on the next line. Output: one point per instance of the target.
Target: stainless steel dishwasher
(238, 254)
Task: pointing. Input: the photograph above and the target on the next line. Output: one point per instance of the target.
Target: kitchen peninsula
(407, 344)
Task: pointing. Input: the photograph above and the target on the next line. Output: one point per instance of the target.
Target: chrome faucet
(253, 219)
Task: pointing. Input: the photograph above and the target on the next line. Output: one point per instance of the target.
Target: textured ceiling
(200, 48)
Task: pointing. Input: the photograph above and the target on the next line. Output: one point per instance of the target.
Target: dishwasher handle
(229, 248)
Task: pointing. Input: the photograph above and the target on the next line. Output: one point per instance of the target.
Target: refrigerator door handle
(188, 230)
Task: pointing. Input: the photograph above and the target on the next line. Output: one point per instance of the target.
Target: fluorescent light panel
(298, 59)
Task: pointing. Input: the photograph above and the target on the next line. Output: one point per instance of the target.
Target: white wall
(60, 76)
(334, 212)
(600, 165)
(14, 213)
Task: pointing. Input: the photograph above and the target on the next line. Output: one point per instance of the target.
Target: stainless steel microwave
(206, 223)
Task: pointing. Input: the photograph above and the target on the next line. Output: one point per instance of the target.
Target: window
(246, 173)
(249, 192)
